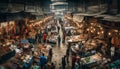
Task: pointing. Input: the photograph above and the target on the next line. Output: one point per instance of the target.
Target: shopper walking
(40, 37)
(58, 28)
(52, 66)
(59, 40)
(73, 60)
(44, 37)
(67, 55)
(103, 50)
(63, 62)
(112, 49)
(64, 36)
(43, 61)
(36, 37)
(50, 54)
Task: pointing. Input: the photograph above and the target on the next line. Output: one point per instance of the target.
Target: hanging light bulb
(98, 33)
(109, 33)
(87, 29)
(94, 29)
(116, 30)
(102, 32)
(92, 23)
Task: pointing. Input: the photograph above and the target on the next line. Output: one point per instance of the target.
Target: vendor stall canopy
(40, 7)
(20, 9)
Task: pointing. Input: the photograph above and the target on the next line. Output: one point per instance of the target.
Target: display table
(8, 42)
(93, 44)
(76, 49)
(93, 60)
(24, 60)
(52, 39)
(25, 45)
(45, 49)
(53, 31)
(31, 37)
(70, 30)
(28, 64)
(42, 49)
(76, 38)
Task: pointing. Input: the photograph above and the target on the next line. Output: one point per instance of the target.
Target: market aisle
(58, 53)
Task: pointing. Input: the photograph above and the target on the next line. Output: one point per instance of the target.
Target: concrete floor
(59, 52)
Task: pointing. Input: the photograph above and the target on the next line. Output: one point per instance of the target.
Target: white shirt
(112, 49)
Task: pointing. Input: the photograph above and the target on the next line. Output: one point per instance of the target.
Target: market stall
(70, 31)
(6, 53)
(25, 45)
(76, 38)
(16, 38)
(93, 44)
(52, 39)
(94, 47)
(94, 60)
(43, 48)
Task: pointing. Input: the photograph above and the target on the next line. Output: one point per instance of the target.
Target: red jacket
(44, 36)
(73, 60)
